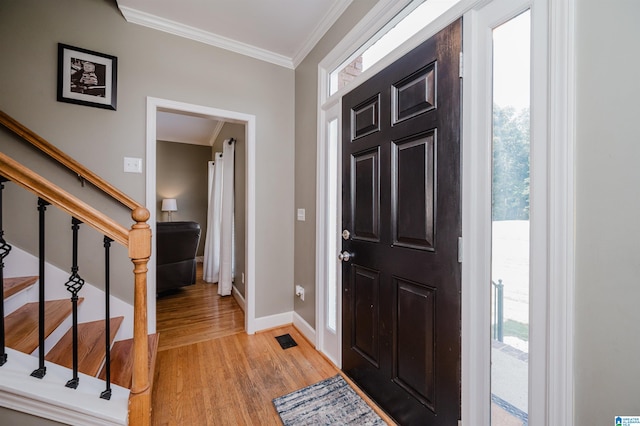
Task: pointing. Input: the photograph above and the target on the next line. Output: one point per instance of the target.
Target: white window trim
(476, 229)
(325, 253)
(552, 251)
(377, 17)
(561, 195)
(551, 392)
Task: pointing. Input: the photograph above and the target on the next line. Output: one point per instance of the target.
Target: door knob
(345, 256)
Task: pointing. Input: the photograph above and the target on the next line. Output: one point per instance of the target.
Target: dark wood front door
(401, 206)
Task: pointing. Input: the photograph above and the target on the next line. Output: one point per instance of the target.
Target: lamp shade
(169, 205)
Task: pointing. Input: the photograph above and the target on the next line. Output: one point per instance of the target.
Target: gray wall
(237, 131)
(181, 173)
(607, 293)
(306, 151)
(150, 63)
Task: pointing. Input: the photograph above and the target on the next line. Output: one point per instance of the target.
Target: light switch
(132, 165)
(301, 215)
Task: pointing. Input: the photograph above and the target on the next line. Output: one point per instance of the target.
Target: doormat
(286, 341)
(329, 402)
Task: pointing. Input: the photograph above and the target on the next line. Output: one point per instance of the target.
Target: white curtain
(219, 247)
(227, 223)
(211, 266)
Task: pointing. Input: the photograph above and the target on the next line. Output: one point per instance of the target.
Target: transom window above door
(417, 15)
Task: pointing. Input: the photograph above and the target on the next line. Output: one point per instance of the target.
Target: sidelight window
(510, 223)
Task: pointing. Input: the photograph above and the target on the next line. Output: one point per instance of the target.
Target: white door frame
(552, 256)
(328, 342)
(155, 104)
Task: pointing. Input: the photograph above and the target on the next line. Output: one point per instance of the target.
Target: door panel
(412, 192)
(366, 315)
(365, 190)
(365, 118)
(414, 348)
(414, 94)
(401, 204)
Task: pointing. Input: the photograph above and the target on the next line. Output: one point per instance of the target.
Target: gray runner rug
(329, 402)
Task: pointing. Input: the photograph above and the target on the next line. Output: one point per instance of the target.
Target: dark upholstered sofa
(176, 245)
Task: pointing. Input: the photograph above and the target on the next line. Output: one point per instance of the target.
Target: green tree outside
(510, 191)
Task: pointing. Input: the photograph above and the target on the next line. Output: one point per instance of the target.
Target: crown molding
(157, 23)
(338, 8)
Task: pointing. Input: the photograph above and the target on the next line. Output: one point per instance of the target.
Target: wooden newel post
(140, 252)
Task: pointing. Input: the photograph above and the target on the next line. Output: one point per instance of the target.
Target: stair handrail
(58, 197)
(138, 242)
(67, 161)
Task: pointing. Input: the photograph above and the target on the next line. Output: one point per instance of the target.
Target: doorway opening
(246, 299)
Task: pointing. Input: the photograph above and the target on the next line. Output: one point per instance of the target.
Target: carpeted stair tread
(122, 361)
(91, 350)
(22, 325)
(15, 285)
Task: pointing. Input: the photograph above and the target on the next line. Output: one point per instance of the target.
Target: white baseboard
(286, 318)
(304, 328)
(273, 321)
(236, 295)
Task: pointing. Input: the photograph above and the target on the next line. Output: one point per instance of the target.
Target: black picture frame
(86, 77)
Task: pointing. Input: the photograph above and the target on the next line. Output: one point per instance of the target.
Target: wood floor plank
(91, 346)
(233, 380)
(22, 325)
(225, 377)
(196, 313)
(14, 285)
(122, 361)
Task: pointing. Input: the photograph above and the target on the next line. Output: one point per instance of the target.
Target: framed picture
(86, 77)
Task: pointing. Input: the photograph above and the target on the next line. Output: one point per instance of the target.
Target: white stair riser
(27, 295)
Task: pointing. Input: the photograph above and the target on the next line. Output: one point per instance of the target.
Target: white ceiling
(282, 32)
(186, 128)
(278, 31)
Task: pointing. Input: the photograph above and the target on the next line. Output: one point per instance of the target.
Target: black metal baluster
(4, 252)
(106, 394)
(74, 285)
(41, 370)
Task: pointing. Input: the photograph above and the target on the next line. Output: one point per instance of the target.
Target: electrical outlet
(132, 165)
(300, 292)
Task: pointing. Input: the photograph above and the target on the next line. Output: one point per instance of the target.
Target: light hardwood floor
(196, 314)
(210, 372)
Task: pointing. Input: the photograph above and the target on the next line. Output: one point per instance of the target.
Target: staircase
(22, 335)
(65, 358)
